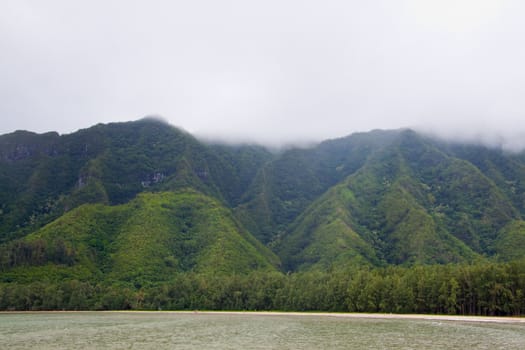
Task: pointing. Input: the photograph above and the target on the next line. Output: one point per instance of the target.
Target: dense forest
(142, 215)
(495, 289)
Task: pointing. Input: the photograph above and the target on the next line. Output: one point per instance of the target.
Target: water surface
(167, 330)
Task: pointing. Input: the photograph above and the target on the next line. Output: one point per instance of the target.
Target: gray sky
(267, 71)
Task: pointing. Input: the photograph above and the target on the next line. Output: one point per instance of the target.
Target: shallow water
(164, 330)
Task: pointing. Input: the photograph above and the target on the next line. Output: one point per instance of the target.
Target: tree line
(483, 288)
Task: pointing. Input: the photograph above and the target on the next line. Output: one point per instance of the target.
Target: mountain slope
(151, 238)
(286, 186)
(377, 198)
(44, 176)
(409, 203)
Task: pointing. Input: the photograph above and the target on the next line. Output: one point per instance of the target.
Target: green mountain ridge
(410, 203)
(151, 238)
(142, 201)
(110, 164)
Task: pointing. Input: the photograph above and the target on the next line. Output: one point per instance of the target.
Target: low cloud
(270, 72)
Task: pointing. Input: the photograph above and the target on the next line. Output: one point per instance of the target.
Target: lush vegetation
(148, 239)
(142, 215)
(475, 289)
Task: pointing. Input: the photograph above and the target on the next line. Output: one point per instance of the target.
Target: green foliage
(184, 231)
(143, 215)
(324, 236)
(44, 175)
(148, 239)
(510, 243)
(483, 288)
(387, 211)
(287, 185)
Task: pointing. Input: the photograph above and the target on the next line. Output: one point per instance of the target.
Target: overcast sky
(267, 71)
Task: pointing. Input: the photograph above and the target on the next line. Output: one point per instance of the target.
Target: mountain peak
(378, 198)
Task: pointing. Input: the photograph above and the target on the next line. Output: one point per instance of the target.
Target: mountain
(409, 202)
(151, 238)
(142, 201)
(284, 187)
(44, 176)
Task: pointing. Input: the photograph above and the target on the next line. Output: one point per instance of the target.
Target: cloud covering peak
(272, 72)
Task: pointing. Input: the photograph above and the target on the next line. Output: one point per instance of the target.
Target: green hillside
(510, 242)
(152, 238)
(43, 176)
(376, 198)
(285, 187)
(410, 203)
(143, 215)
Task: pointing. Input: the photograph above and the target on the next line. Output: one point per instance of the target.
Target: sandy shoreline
(366, 315)
(491, 319)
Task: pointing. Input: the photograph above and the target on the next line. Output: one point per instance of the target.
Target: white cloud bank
(267, 71)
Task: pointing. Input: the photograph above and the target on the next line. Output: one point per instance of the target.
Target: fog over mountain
(271, 72)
